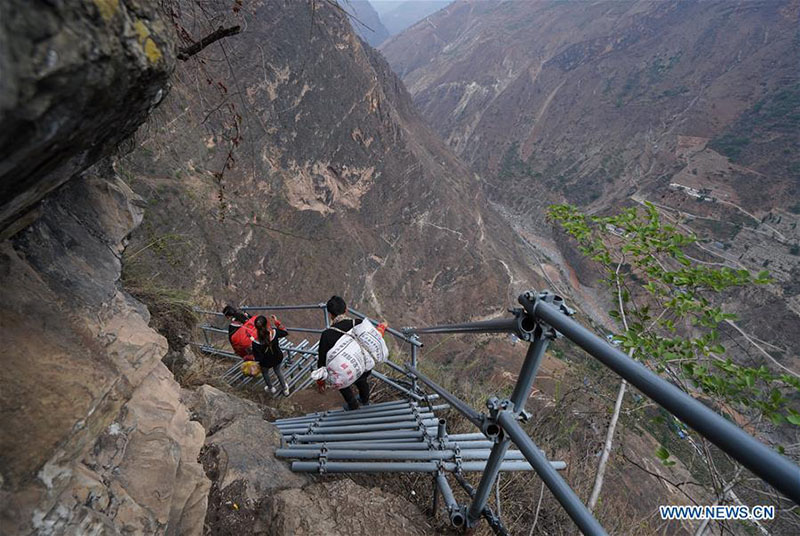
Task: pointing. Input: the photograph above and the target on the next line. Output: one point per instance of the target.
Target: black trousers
(363, 391)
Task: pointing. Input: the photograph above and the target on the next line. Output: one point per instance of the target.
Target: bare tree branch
(187, 52)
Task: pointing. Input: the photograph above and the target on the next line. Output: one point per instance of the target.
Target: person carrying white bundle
(348, 351)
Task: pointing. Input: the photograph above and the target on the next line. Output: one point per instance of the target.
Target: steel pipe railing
(766, 463)
(282, 307)
(213, 329)
(206, 312)
(397, 386)
(304, 330)
(391, 330)
(473, 416)
(518, 324)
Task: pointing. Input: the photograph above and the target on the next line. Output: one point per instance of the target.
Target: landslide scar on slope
(323, 186)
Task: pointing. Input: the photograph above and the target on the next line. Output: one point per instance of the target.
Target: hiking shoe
(286, 391)
(346, 407)
(362, 402)
(272, 390)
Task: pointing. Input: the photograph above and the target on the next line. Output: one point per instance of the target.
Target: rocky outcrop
(255, 493)
(240, 444)
(342, 507)
(78, 78)
(95, 438)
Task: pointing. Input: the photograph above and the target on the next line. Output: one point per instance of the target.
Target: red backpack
(242, 339)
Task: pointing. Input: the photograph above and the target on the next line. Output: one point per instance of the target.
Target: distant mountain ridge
(593, 83)
(366, 22)
(397, 15)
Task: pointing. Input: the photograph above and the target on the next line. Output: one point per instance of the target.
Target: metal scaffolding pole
(399, 455)
(453, 509)
(488, 514)
(390, 444)
(404, 425)
(473, 416)
(777, 470)
(337, 418)
(401, 467)
(560, 489)
(320, 438)
(397, 405)
(364, 420)
(281, 307)
(523, 386)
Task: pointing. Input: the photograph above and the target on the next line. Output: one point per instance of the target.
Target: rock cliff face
(337, 187)
(78, 78)
(95, 439)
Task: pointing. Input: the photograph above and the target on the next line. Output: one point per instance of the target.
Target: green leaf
(662, 453)
(793, 417)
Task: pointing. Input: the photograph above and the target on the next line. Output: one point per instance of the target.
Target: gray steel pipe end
(457, 517)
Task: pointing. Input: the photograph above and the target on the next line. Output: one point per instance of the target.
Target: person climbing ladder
(241, 331)
(268, 352)
(342, 325)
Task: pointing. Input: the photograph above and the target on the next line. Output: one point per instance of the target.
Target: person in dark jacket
(267, 351)
(236, 319)
(337, 309)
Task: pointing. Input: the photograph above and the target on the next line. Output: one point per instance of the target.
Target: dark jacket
(270, 354)
(329, 337)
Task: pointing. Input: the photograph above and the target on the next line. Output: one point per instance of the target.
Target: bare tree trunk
(612, 426)
(601, 466)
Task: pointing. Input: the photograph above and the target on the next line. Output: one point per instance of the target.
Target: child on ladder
(267, 350)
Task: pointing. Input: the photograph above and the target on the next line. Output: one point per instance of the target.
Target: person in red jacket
(236, 319)
(267, 350)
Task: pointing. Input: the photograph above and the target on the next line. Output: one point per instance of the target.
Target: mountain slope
(337, 187)
(690, 105)
(587, 100)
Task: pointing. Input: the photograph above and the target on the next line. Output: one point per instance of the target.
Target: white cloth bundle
(354, 353)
